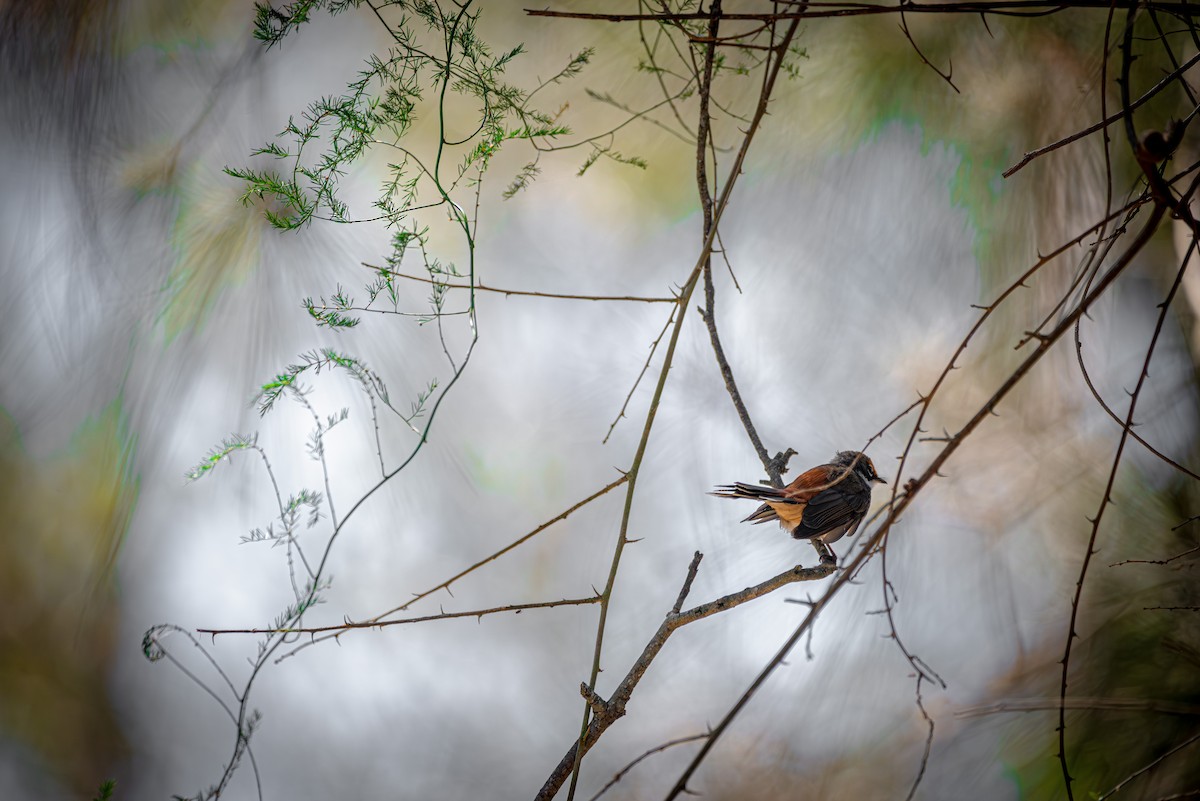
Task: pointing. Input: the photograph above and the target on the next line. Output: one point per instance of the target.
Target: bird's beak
(879, 480)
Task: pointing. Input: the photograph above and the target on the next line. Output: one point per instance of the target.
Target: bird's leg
(828, 557)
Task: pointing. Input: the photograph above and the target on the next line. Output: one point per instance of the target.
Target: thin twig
(1166, 561)
(1095, 391)
(656, 750)
(638, 380)
(391, 312)
(1080, 702)
(519, 292)
(946, 76)
(658, 74)
(921, 670)
(1150, 766)
(693, 568)
(379, 624)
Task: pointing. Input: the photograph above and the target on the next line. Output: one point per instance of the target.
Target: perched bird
(826, 502)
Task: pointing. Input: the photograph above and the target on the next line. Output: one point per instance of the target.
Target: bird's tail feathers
(763, 514)
(754, 492)
(758, 492)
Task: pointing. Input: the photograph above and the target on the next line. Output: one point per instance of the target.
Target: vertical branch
(773, 68)
(1105, 500)
(774, 467)
(1062, 719)
(1164, 198)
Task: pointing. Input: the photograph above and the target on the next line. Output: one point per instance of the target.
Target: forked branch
(608, 712)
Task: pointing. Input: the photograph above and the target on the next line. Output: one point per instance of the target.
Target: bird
(824, 503)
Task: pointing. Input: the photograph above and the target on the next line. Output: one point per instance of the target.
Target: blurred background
(144, 306)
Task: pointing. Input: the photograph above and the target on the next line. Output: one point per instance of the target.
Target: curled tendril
(151, 646)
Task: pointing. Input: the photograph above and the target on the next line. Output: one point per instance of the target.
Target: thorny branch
(821, 10)
(1166, 561)
(350, 625)
(947, 76)
(1164, 200)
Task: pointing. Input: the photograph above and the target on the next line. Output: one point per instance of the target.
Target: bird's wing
(834, 508)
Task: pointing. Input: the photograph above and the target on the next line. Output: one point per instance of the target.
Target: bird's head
(862, 465)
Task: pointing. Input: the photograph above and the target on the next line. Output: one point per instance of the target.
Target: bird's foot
(824, 552)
